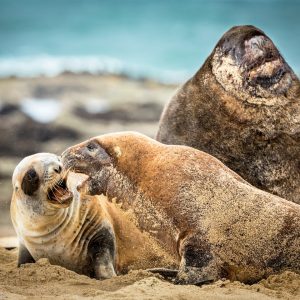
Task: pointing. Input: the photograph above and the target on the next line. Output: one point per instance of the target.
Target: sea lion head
(93, 159)
(106, 158)
(247, 64)
(40, 183)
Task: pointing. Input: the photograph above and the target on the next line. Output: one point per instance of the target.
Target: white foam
(41, 110)
(47, 65)
(94, 106)
(52, 65)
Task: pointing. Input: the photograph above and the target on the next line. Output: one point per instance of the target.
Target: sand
(44, 281)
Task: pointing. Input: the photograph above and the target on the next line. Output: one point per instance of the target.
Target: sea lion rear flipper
(24, 256)
(102, 252)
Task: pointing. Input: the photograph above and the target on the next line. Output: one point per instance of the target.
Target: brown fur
(195, 207)
(243, 107)
(135, 249)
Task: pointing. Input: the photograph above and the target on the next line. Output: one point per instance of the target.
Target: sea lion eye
(31, 174)
(91, 146)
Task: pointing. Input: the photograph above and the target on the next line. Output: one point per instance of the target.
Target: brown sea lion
(196, 208)
(86, 234)
(243, 107)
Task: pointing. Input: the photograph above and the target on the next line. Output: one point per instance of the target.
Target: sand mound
(53, 282)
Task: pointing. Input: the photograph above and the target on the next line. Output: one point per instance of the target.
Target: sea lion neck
(132, 153)
(37, 221)
(37, 206)
(120, 188)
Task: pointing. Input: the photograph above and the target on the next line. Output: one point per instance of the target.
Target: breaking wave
(50, 66)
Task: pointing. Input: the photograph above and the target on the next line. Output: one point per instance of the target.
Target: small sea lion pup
(243, 107)
(86, 234)
(217, 224)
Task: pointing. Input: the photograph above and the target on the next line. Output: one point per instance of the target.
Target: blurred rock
(46, 91)
(8, 108)
(21, 136)
(133, 112)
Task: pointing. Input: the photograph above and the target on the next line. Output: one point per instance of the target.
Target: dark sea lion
(217, 224)
(243, 107)
(86, 234)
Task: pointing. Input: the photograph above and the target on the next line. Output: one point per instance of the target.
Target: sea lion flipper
(102, 252)
(24, 256)
(197, 276)
(90, 186)
(198, 265)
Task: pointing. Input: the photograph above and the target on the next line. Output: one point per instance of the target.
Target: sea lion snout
(86, 157)
(89, 158)
(40, 176)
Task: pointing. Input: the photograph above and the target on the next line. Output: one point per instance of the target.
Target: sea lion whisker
(57, 190)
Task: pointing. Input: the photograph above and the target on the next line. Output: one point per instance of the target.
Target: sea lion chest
(64, 237)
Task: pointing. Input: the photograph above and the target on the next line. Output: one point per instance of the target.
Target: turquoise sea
(162, 39)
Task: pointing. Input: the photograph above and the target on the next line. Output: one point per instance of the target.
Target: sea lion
(86, 234)
(196, 207)
(243, 107)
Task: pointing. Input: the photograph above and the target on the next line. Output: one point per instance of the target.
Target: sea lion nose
(57, 169)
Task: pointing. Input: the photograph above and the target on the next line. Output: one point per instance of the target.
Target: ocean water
(161, 39)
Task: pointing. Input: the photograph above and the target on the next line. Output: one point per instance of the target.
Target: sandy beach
(44, 281)
(82, 106)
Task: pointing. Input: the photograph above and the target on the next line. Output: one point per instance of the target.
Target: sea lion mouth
(58, 194)
(72, 163)
(264, 79)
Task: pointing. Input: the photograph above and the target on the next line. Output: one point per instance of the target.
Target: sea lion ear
(30, 182)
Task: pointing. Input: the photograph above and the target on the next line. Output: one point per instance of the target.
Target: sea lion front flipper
(195, 276)
(198, 265)
(102, 250)
(90, 186)
(24, 256)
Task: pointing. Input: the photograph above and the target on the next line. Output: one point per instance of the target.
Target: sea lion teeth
(59, 193)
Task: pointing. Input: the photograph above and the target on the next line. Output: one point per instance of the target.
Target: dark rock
(23, 136)
(8, 108)
(144, 112)
(54, 91)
